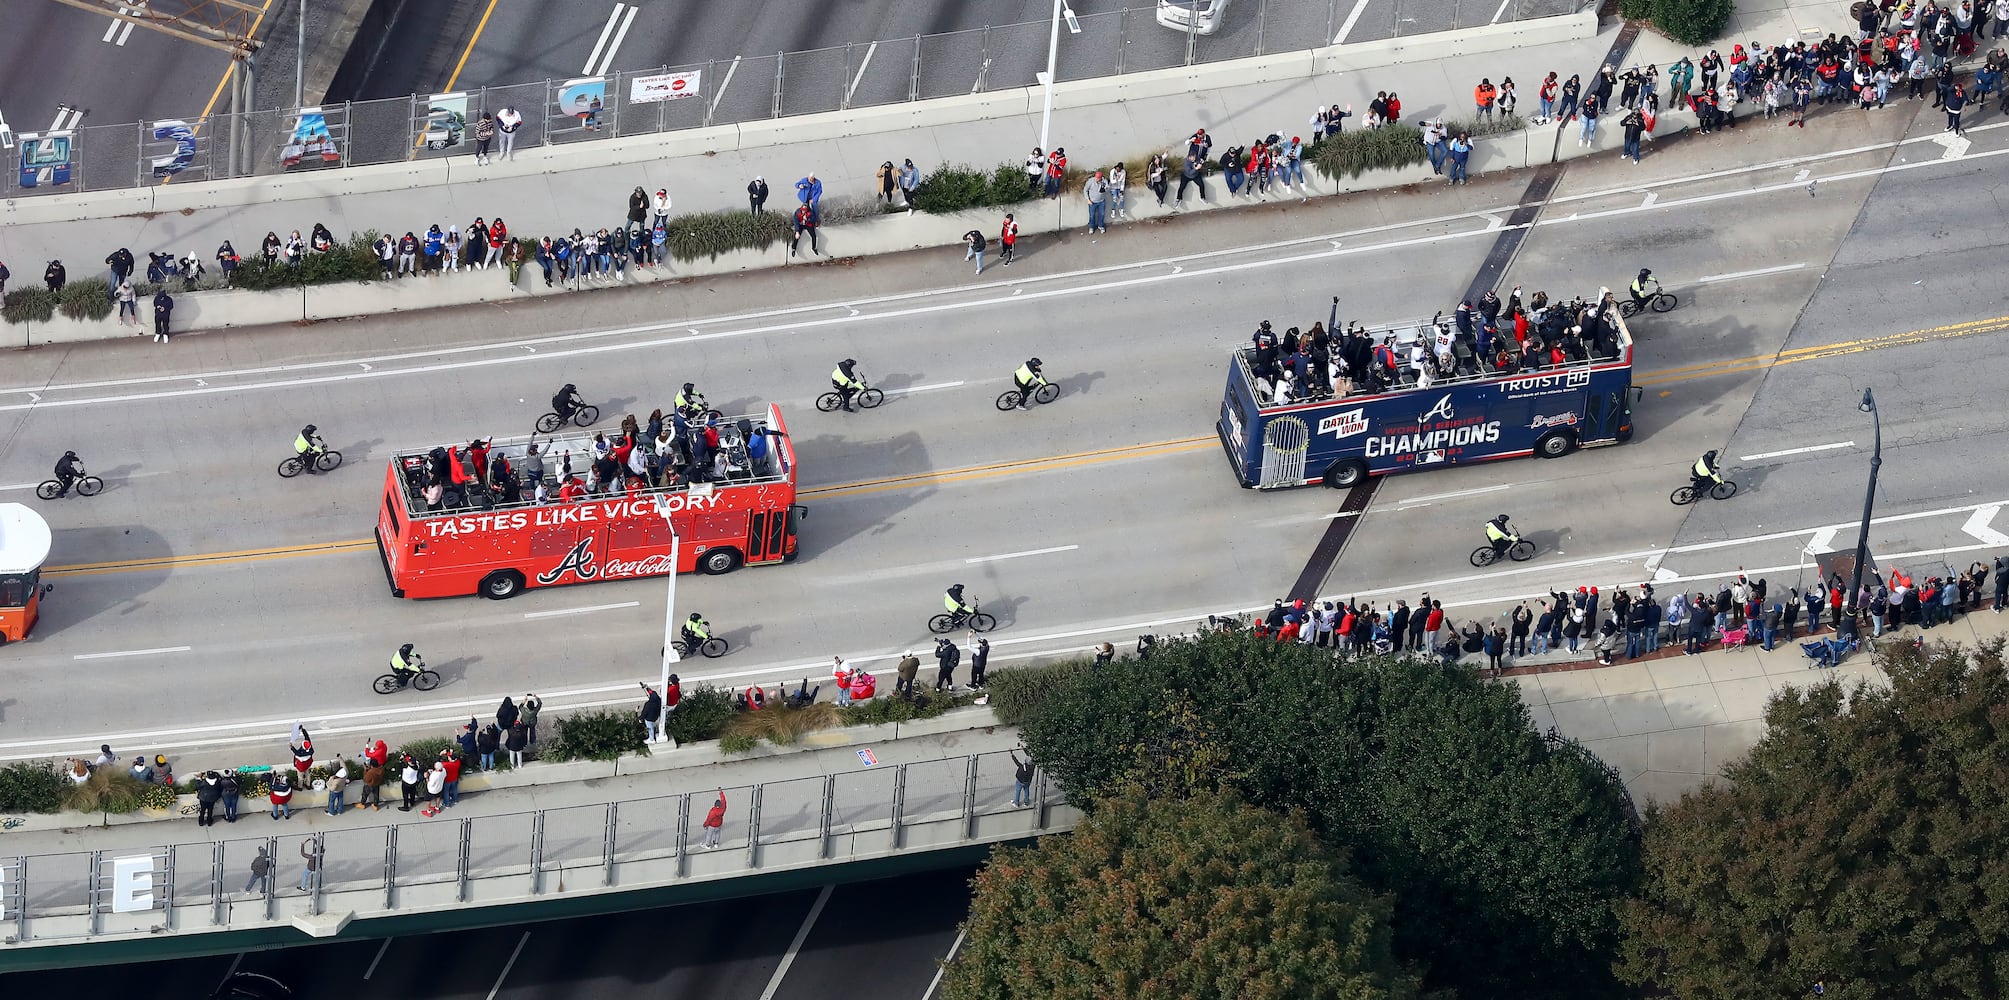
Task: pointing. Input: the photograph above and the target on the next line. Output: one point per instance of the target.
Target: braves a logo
(1442, 409)
(579, 562)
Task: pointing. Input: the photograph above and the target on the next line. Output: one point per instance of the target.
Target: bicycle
(583, 416)
(713, 647)
(1046, 393)
(1520, 551)
(326, 460)
(1660, 302)
(975, 619)
(867, 397)
(1691, 493)
(87, 486)
(425, 680)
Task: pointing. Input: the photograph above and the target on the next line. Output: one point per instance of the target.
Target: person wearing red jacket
(1434, 622)
(452, 762)
(714, 820)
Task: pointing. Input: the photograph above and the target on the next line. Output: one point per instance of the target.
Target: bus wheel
(1555, 444)
(1345, 474)
(502, 584)
(719, 562)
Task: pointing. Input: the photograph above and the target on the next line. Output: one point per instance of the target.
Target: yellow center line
(1077, 459)
(459, 65)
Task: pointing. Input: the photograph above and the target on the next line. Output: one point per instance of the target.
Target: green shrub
(709, 234)
(1690, 22)
(109, 790)
(602, 735)
(32, 786)
(156, 797)
(1350, 154)
(1481, 127)
(29, 305)
(738, 742)
(702, 714)
(1016, 692)
(782, 725)
(952, 188)
(90, 298)
(889, 708)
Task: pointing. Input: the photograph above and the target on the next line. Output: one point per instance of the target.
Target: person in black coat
(487, 744)
(506, 715)
(756, 195)
(121, 261)
(946, 658)
(55, 276)
(518, 738)
(163, 311)
(208, 790)
(1398, 626)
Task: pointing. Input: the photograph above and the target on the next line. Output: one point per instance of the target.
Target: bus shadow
(76, 599)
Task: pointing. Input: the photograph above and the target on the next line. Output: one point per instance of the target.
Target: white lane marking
(1734, 275)
(130, 652)
(935, 983)
(1797, 451)
(66, 118)
(613, 22)
(719, 94)
(1460, 493)
(1977, 526)
(860, 75)
(1821, 540)
(372, 970)
(19, 486)
(1501, 12)
(121, 29)
(927, 388)
(1359, 7)
(795, 946)
(511, 964)
(580, 611)
(1021, 555)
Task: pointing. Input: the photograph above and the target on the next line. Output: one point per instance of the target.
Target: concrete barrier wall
(556, 188)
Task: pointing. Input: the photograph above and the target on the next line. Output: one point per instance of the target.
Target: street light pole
(1052, 60)
(1868, 406)
(669, 607)
(300, 59)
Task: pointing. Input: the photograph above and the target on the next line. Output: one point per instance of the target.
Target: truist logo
(1559, 420)
(578, 562)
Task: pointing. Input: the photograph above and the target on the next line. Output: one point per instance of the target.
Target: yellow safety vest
(1494, 534)
(1025, 375)
(949, 601)
(1702, 470)
(699, 628)
(841, 380)
(301, 445)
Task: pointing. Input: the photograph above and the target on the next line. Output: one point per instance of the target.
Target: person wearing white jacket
(661, 206)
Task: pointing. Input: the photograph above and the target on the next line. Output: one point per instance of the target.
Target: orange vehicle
(475, 544)
(24, 546)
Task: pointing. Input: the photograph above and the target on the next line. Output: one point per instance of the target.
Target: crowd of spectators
(1488, 339)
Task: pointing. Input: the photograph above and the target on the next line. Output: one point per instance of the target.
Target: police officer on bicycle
(406, 664)
(1027, 378)
(1643, 288)
(846, 380)
(1499, 536)
(696, 632)
(953, 602)
(309, 447)
(69, 469)
(1706, 472)
(566, 403)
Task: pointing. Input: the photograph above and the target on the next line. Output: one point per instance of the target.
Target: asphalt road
(856, 946)
(1125, 522)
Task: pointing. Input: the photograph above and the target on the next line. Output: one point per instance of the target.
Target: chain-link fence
(747, 88)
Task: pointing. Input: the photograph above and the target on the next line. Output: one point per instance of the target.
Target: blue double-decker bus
(1548, 412)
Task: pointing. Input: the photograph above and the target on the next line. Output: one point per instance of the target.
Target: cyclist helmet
(569, 387)
(1033, 364)
(405, 650)
(956, 591)
(1501, 519)
(848, 362)
(1645, 273)
(309, 429)
(69, 454)
(695, 617)
(1709, 456)
(688, 386)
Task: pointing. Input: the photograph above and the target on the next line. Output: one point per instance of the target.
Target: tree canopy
(1503, 855)
(1206, 898)
(1860, 846)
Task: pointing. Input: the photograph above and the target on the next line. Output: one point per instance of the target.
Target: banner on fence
(45, 159)
(311, 140)
(663, 87)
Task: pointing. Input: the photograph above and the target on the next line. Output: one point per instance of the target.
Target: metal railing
(443, 863)
(745, 88)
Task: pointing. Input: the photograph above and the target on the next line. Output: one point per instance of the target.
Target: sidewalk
(1669, 722)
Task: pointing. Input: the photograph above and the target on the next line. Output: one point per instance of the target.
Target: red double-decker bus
(746, 517)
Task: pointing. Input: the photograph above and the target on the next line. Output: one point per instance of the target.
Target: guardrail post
(20, 898)
(219, 902)
(1262, 20)
(682, 845)
(270, 888)
(167, 891)
(139, 154)
(970, 797)
(390, 867)
(320, 877)
(844, 82)
(607, 844)
(1123, 36)
(983, 68)
(914, 78)
(899, 800)
(97, 886)
(707, 96)
(779, 58)
(536, 852)
(753, 829)
(466, 847)
(1039, 798)
(823, 823)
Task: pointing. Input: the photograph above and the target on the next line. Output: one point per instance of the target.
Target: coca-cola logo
(580, 562)
(646, 567)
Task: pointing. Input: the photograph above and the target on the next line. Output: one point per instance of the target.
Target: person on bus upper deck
(533, 465)
(572, 491)
(1489, 306)
(1265, 342)
(1463, 316)
(477, 453)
